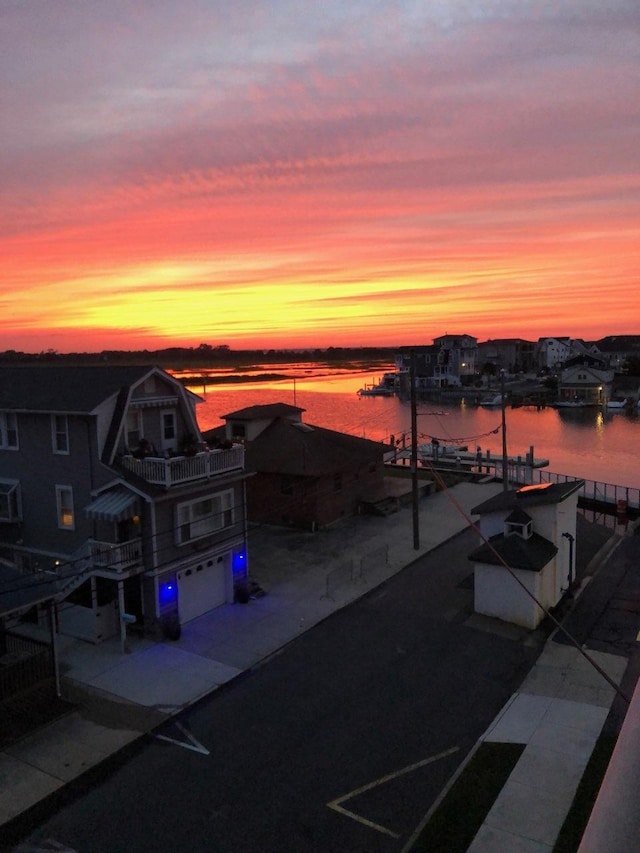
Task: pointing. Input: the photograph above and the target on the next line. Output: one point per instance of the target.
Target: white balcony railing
(115, 556)
(184, 469)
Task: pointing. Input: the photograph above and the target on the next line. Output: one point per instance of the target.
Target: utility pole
(505, 462)
(414, 454)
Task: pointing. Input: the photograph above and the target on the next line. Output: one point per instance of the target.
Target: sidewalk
(558, 714)
(307, 576)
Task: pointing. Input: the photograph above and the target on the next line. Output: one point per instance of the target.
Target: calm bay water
(581, 443)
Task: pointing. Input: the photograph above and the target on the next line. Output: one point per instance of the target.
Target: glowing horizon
(263, 176)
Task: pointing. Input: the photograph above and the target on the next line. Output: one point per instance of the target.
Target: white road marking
(194, 744)
(336, 804)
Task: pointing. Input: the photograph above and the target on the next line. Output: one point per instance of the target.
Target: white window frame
(60, 434)
(8, 425)
(10, 498)
(195, 520)
(64, 508)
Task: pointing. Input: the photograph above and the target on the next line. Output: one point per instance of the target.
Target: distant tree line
(203, 355)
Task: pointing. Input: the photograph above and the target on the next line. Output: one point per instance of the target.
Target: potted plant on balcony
(144, 448)
(189, 444)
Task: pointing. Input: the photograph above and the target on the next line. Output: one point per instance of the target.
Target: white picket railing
(185, 469)
(118, 556)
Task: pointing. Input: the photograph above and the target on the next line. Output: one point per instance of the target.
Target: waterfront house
(617, 349)
(582, 383)
(449, 362)
(527, 559)
(552, 352)
(106, 485)
(303, 475)
(456, 359)
(513, 355)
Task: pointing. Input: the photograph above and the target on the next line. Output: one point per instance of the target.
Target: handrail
(183, 469)
(608, 493)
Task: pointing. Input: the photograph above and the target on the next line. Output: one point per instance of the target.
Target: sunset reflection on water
(585, 443)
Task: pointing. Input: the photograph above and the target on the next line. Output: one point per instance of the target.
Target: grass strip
(461, 813)
(576, 820)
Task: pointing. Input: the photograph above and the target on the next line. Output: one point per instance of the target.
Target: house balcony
(185, 469)
(118, 557)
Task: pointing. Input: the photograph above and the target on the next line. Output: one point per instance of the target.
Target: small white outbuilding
(526, 561)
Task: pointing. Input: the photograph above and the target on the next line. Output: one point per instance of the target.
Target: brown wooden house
(303, 475)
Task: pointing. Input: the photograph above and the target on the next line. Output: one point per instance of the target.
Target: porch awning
(115, 505)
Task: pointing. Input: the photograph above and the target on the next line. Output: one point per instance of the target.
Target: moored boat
(492, 402)
(617, 403)
(576, 403)
(386, 387)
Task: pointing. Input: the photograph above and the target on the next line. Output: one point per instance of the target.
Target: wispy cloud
(484, 153)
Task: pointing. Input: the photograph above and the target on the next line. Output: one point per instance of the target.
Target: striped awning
(115, 505)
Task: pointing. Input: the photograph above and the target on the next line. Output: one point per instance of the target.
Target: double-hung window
(8, 431)
(60, 434)
(9, 500)
(64, 508)
(204, 516)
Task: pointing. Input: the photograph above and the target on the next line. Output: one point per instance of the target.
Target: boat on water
(492, 402)
(386, 387)
(616, 404)
(434, 450)
(573, 404)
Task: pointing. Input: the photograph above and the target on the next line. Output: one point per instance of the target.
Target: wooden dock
(598, 496)
(467, 460)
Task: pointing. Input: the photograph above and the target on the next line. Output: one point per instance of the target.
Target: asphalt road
(340, 743)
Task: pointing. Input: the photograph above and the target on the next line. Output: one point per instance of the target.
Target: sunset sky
(289, 173)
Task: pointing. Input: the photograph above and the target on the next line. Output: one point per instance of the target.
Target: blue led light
(168, 593)
(239, 562)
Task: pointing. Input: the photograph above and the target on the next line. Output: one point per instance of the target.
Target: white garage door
(201, 587)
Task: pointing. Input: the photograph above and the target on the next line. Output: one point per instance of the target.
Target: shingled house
(107, 486)
(303, 475)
